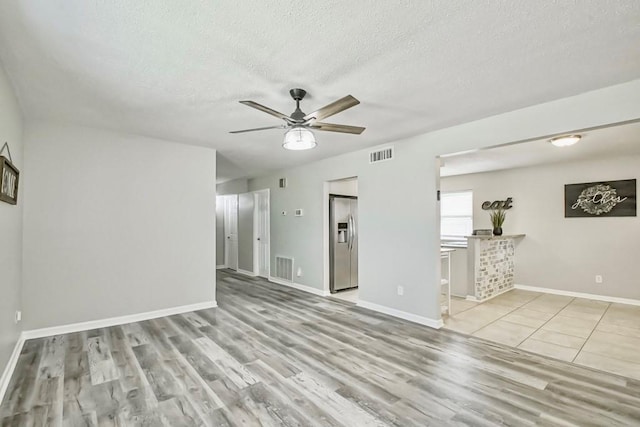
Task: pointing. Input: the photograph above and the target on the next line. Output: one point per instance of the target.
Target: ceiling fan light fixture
(565, 140)
(299, 138)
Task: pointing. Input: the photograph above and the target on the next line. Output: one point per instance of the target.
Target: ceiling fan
(299, 135)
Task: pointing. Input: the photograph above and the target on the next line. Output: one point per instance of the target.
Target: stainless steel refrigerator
(343, 245)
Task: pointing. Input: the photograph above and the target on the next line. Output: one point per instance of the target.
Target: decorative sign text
(593, 199)
(498, 204)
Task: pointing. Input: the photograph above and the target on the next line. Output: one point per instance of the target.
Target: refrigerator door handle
(351, 232)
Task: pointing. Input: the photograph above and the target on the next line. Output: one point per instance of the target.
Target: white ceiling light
(299, 138)
(565, 140)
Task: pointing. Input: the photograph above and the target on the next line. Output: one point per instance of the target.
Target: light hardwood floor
(271, 355)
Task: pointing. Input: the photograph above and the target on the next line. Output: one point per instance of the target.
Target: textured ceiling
(598, 144)
(176, 69)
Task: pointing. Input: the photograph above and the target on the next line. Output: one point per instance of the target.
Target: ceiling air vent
(381, 155)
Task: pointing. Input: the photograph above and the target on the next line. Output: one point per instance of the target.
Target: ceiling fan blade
(264, 128)
(337, 128)
(333, 108)
(266, 110)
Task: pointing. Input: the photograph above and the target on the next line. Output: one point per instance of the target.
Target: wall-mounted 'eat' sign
(498, 204)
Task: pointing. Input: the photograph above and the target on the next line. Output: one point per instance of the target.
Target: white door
(261, 233)
(231, 231)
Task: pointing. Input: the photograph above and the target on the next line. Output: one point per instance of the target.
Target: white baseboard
(579, 295)
(11, 366)
(300, 287)
(221, 267)
(432, 323)
(246, 273)
(113, 321)
(474, 299)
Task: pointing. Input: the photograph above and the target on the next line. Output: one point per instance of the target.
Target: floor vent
(381, 155)
(284, 268)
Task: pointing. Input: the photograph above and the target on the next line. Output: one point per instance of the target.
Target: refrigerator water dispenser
(342, 232)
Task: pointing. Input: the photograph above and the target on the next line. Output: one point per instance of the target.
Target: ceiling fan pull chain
(6, 145)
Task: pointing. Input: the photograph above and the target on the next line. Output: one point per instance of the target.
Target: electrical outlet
(598, 278)
(400, 290)
(299, 274)
(18, 317)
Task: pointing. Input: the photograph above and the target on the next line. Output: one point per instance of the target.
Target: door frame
(227, 199)
(256, 245)
(252, 272)
(326, 285)
(220, 232)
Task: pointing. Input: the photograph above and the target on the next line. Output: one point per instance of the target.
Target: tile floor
(350, 295)
(597, 334)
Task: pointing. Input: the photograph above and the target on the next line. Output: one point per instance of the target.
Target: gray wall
(114, 225)
(235, 186)
(245, 231)
(562, 253)
(344, 187)
(10, 225)
(399, 222)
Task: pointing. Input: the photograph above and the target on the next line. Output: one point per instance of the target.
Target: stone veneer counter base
(491, 263)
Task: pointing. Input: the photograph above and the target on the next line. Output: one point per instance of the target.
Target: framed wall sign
(596, 199)
(9, 176)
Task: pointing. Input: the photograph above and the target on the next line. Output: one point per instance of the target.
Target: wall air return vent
(381, 155)
(284, 268)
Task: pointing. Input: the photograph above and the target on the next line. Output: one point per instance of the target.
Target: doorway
(245, 232)
(538, 282)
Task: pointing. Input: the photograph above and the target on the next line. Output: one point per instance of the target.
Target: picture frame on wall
(9, 179)
(600, 199)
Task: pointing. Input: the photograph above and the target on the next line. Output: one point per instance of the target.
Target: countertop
(504, 236)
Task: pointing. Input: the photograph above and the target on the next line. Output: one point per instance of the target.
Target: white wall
(558, 252)
(344, 187)
(235, 186)
(114, 225)
(398, 211)
(10, 225)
